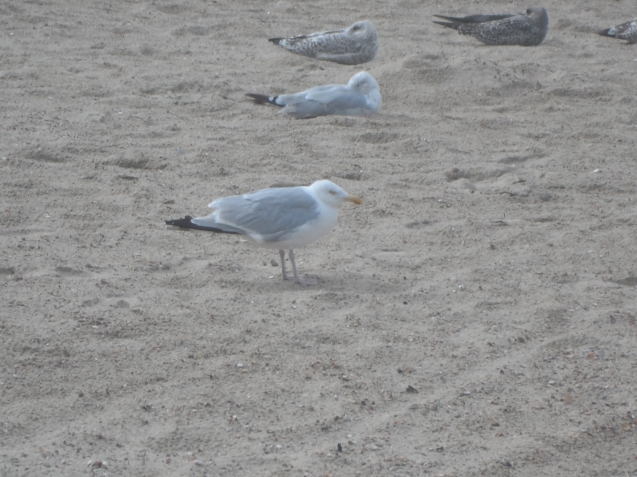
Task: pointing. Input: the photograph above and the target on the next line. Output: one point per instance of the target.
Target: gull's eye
(332, 191)
(356, 28)
(528, 11)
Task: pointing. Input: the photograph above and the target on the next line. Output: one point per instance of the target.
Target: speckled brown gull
(279, 218)
(525, 29)
(359, 97)
(625, 31)
(349, 46)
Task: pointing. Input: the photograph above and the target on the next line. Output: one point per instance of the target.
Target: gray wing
(323, 101)
(515, 30)
(299, 106)
(342, 98)
(269, 214)
(290, 99)
(317, 101)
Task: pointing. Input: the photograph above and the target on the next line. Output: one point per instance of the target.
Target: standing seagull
(280, 218)
(625, 31)
(349, 46)
(525, 29)
(359, 97)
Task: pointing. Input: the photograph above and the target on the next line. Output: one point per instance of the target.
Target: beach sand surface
(475, 316)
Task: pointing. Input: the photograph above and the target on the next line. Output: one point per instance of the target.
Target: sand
(475, 316)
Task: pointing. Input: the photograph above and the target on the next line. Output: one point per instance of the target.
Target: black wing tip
(184, 223)
(469, 19)
(606, 33)
(276, 41)
(479, 18)
(258, 98)
(263, 99)
(455, 26)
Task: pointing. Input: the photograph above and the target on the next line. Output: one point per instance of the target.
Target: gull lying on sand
(349, 46)
(280, 218)
(625, 31)
(359, 97)
(524, 29)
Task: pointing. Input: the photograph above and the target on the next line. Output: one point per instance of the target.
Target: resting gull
(349, 46)
(525, 29)
(359, 97)
(625, 31)
(280, 218)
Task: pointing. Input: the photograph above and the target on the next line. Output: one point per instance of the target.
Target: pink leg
(282, 255)
(302, 281)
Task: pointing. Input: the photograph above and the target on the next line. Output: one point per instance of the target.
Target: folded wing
(267, 215)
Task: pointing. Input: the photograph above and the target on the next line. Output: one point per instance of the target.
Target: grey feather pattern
(350, 46)
(524, 29)
(269, 213)
(626, 31)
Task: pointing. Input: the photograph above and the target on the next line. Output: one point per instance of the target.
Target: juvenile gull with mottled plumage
(280, 218)
(349, 46)
(359, 97)
(525, 29)
(625, 31)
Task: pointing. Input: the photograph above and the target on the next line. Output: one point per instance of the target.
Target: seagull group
(286, 218)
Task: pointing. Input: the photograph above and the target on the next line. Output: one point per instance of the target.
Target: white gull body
(359, 97)
(277, 218)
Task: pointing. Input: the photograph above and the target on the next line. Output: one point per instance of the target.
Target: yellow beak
(354, 199)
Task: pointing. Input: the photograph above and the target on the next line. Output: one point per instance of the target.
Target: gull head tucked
(363, 30)
(363, 82)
